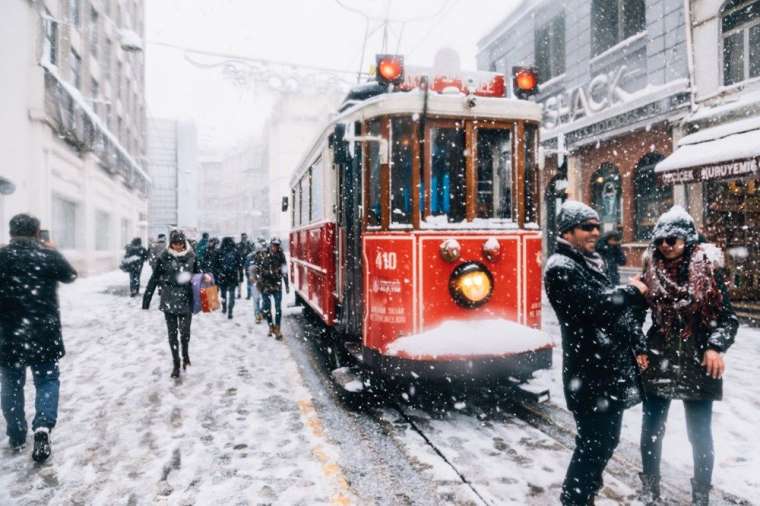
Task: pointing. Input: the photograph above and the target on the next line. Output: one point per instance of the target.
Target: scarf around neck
(593, 260)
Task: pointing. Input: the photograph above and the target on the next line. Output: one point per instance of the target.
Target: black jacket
(600, 337)
(269, 272)
(173, 272)
(675, 365)
(226, 266)
(134, 258)
(30, 321)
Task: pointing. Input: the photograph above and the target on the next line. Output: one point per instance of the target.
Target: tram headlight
(471, 285)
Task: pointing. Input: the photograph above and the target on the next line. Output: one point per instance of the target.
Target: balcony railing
(77, 124)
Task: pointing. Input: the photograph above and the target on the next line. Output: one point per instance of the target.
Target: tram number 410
(386, 260)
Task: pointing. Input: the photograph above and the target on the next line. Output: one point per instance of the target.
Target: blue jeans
(47, 385)
(267, 305)
(256, 299)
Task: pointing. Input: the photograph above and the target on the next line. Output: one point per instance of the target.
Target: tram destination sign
(727, 170)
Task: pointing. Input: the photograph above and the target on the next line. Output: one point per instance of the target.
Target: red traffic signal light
(390, 69)
(524, 81)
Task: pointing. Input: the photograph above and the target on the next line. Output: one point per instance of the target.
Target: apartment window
(50, 44)
(102, 231)
(550, 48)
(93, 32)
(75, 13)
(740, 22)
(75, 62)
(94, 92)
(124, 231)
(117, 81)
(613, 21)
(64, 223)
(106, 58)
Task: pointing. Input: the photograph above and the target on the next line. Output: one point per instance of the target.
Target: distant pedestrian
(693, 323)
(600, 340)
(245, 248)
(226, 269)
(173, 272)
(201, 248)
(252, 262)
(156, 248)
(271, 273)
(611, 251)
(134, 259)
(30, 331)
(209, 258)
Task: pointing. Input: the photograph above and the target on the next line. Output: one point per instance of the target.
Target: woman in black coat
(173, 272)
(692, 324)
(134, 258)
(227, 264)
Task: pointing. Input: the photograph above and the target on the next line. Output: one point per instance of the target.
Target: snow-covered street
(253, 421)
(238, 428)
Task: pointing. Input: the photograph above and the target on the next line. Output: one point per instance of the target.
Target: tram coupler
(349, 379)
(531, 391)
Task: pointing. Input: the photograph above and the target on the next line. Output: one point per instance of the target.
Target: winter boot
(276, 332)
(700, 493)
(17, 446)
(650, 489)
(185, 360)
(258, 319)
(271, 330)
(41, 450)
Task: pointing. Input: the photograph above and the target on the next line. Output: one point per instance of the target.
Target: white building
(72, 122)
(174, 168)
(295, 123)
(234, 192)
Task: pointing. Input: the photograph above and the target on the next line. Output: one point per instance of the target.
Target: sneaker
(41, 445)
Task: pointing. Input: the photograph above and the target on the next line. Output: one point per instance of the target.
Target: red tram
(415, 232)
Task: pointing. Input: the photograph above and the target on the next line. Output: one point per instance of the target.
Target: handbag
(210, 298)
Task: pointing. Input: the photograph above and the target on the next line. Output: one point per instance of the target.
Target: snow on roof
(718, 132)
(739, 146)
(726, 105)
(468, 339)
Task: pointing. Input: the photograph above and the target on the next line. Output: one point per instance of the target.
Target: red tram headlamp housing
(390, 69)
(471, 285)
(524, 81)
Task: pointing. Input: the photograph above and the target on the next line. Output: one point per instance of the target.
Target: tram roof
(439, 106)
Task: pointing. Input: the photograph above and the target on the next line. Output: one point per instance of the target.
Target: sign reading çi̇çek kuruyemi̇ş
(727, 170)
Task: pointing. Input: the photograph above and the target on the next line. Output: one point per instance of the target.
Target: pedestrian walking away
(201, 248)
(30, 331)
(693, 323)
(245, 248)
(600, 339)
(271, 272)
(226, 273)
(173, 273)
(610, 250)
(134, 259)
(156, 248)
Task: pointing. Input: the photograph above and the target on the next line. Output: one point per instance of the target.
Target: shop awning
(729, 151)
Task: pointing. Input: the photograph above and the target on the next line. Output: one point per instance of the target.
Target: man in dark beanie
(30, 331)
(601, 345)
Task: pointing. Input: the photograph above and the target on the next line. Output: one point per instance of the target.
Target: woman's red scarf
(678, 308)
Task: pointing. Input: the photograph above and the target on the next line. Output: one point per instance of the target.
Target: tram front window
(448, 192)
(373, 207)
(401, 170)
(494, 173)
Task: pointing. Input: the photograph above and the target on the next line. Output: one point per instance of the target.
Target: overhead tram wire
(449, 6)
(414, 19)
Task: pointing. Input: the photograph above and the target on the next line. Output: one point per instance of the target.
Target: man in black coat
(134, 258)
(601, 345)
(30, 331)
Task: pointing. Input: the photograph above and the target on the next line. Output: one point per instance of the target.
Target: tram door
(349, 243)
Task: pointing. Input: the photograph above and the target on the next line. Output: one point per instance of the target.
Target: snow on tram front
(415, 234)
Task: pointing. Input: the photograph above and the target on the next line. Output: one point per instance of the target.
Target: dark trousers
(698, 427)
(228, 298)
(179, 323)
(134, 282)
(266, 306)
(598, 436)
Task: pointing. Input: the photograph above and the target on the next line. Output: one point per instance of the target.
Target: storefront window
(373, 148)
(605, 195)
(448, 192)
(494, 191)
(740, 25)
(652, 199)
(401, 170)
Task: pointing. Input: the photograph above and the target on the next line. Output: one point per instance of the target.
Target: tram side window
(401, 170)
(531, 175)
(316, 191)
(293, 207)
(448, 192)
(373, 149)
(494, 166)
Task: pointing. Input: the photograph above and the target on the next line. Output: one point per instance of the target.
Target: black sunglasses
(589, 227)
(670, 241)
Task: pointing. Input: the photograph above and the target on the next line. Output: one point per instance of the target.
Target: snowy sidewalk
(238, 428)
